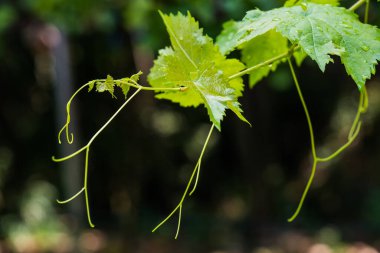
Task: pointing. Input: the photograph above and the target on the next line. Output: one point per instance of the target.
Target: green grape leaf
(107, 85)
(321, 31)
(260, 49)
(195, 62)
(227, 40)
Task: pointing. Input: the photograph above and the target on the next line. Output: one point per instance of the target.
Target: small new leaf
(91, 85)
(195, 62)
(320, 30)
(107, 85)
(124, 86)
(136, 77)
(124, 83)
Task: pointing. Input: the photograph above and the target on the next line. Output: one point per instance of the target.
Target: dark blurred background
(251, 178)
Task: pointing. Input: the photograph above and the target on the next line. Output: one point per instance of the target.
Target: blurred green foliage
(75, 16)
(7, 16)
(37, 228)
(252, 177)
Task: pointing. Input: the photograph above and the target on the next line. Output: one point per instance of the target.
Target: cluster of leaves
(195, 71)
(319, 30)
(108, 85)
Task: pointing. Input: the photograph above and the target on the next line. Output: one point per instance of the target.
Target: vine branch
(357, 5)
(185, 193)
(353, 133)
(265, 63)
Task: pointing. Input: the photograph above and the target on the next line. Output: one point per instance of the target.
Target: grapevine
(195, 71)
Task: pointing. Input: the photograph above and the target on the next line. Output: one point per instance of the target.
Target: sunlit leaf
(195, 62)
(321, 31)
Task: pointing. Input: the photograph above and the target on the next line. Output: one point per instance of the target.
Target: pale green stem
(71, 198)
(166, 219)
(57, 160)
(86, 189)
(87, 148)
(342, 148)
(98, 132)
(290, 51)
(313, 151)
(310, 125)
(198, 168)
(200, 159)
(362, 108)
(309, 182)
(180, 204)
(179, 221)
(355, 128)
(68, 119)
(357, 5)
(132, 83)
(262, 64)
(114, 115)
(366, 12)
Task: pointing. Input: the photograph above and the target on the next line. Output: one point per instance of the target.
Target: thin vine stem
(262, 64)
(68, 118)
(306, 190)
(354, 131)
(311, 132)
(198, 168)
(355, 6)
(342, 148)
(362, 108)
(309, 123)
(132, 83)
(98, 132)
(189, 183)
(87, 148)
(86, 188)
(71, 198)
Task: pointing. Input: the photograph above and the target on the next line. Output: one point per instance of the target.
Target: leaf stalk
(356, 5)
